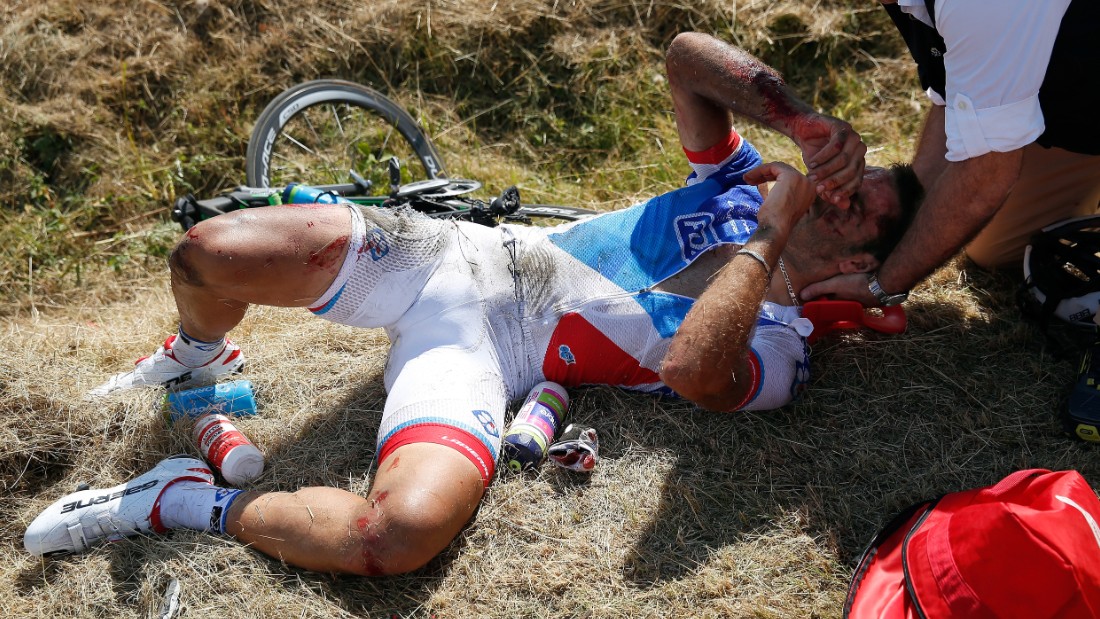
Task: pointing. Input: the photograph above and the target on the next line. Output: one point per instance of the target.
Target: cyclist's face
(833, 232)
(876, 199)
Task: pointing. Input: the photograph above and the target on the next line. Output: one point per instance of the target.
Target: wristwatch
(884, 298)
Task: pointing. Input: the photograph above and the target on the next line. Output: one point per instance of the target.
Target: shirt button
(962, 105)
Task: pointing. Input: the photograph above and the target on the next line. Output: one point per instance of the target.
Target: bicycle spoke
(312, 128)
(336, 119)
(298, 143)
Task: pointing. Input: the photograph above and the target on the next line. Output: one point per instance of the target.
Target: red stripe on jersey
(754, 382)
(580, 354)
(718, 153)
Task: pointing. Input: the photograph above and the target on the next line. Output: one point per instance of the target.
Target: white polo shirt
(996, 60)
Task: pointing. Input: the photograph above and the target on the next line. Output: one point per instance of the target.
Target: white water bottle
(227, 449)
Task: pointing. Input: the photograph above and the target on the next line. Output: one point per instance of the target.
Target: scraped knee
(401, 532)
(208, 248)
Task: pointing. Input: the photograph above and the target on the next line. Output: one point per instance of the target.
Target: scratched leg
(422, 496)
(285, 256)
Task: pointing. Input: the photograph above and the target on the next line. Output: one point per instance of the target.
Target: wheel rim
(319, 144)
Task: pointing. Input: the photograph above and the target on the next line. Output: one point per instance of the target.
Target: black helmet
(1062, 272)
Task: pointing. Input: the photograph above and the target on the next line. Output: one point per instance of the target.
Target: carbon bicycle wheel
(317, 131)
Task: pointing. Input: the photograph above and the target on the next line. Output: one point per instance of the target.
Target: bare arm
(962, 197)
(962, 201)
(710, 79)
(930, 159)
(708, 360)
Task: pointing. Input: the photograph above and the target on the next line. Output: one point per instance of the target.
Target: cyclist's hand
(788, 198)
(834, 155)
(851, 286)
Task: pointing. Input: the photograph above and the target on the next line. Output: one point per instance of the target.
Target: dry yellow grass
(689, 513)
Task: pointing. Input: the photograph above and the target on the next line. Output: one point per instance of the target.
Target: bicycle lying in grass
(348, 140)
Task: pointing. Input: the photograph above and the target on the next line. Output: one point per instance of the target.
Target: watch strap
(884, 298)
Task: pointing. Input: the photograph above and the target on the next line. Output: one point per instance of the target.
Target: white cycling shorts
(435, 286)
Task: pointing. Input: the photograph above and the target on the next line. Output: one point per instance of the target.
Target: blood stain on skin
(329, 256)
(371, 540)
(396, 461)
(309, 224)
(371, 537)
(776, 105)
(371, 565)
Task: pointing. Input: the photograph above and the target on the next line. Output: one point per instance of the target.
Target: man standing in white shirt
(1011, 143)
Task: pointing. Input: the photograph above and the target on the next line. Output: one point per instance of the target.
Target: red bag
(1028, 547)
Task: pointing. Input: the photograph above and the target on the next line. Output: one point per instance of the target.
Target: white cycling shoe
(161, 369)
(81, 519)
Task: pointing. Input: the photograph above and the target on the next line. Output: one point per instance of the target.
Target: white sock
(196, 505)
(194, 353)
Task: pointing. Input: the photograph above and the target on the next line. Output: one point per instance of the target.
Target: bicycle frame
(434, 198)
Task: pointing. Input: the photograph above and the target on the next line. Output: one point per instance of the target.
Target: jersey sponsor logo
(697, 232)
(739, 220)
(566, 355)
(376, 244)
(1081, 316)
(486, 421)
(107, 498)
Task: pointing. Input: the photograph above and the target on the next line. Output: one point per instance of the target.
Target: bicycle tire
(298, 119)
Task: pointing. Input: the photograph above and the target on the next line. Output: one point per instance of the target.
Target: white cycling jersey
(477, 315)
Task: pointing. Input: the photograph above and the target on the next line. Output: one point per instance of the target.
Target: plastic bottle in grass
(227, 450)
(535, 426)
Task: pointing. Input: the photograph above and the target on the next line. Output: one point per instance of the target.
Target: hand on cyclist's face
(837, 230)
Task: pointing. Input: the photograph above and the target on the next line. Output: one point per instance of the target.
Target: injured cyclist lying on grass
(693, 293)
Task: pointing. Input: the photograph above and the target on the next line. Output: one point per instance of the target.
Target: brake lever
(183, 212)
(395, 176)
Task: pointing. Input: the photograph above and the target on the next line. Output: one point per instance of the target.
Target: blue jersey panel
(639, 247)
(667, 311)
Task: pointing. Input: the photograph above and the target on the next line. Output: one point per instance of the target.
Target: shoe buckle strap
(108, 527)
(76, 535)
